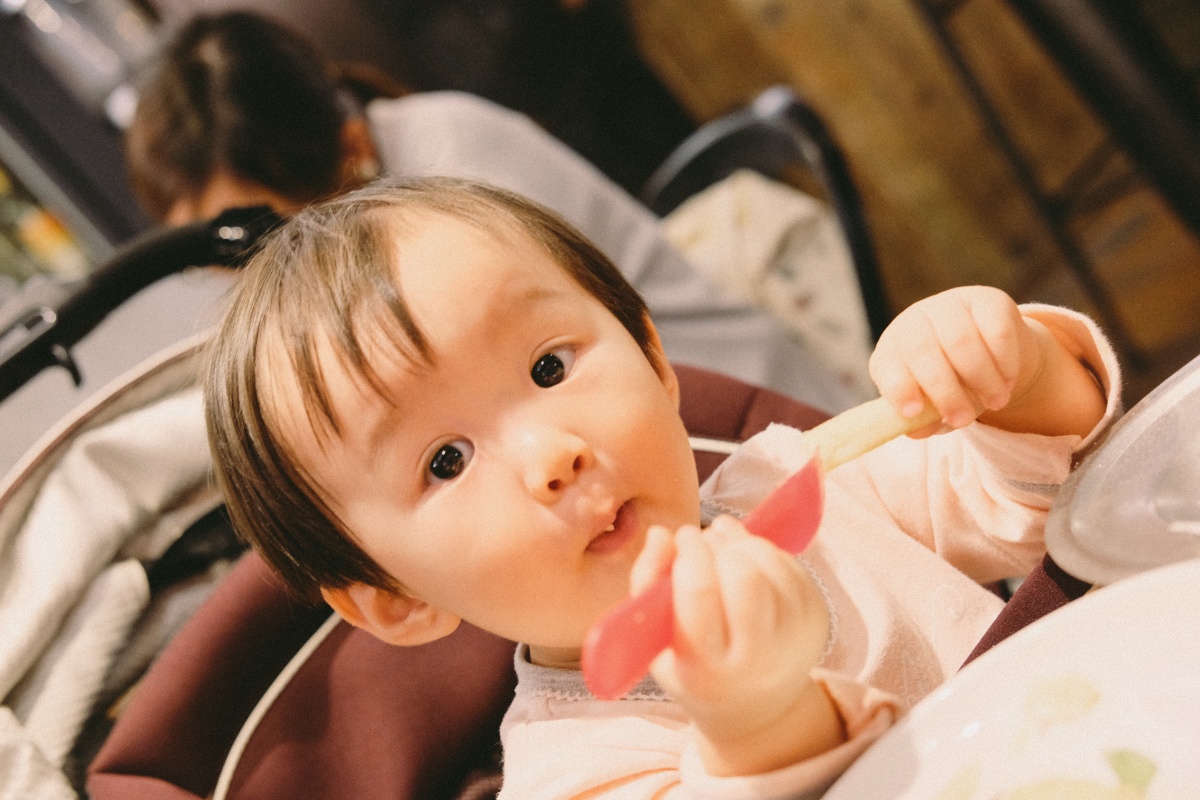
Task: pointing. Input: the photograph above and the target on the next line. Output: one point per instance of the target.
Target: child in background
(435, 401)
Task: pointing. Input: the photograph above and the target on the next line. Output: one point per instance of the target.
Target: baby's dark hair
(239, 92)
(329, 275)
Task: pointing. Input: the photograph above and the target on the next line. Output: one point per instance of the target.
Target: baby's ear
(658, 360)
(394, 617)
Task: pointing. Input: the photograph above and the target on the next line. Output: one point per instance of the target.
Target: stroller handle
(42, 335)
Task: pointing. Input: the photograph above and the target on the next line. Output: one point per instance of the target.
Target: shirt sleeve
(866, 714)
(981, 498)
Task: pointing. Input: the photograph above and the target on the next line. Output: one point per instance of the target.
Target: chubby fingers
(700, 624)
(759, 587)
(731, 591)
(749, 625)
(959, 351)
(655, 559)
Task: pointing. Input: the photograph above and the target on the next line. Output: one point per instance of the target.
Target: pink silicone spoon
(621, 645)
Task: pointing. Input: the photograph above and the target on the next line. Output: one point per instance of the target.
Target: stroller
(94, 563)
(120, 570)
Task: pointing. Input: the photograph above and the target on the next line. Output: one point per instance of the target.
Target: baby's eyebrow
(375, 434)
(523, 302)
(537, 295)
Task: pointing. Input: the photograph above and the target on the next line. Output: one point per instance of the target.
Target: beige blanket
(783, 250)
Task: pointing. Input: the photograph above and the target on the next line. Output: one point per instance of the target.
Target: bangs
(347, 301)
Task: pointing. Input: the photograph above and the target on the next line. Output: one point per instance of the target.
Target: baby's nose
(558, 461)
(554, 484)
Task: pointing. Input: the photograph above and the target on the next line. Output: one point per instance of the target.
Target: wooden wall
(945, 203)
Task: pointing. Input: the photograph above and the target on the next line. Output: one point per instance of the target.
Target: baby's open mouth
(618, 533)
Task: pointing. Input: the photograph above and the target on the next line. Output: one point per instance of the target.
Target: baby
(434, 401)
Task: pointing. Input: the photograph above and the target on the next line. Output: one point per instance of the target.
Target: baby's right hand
(971, 352)
(750, 624)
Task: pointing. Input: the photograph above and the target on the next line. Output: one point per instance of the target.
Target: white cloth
(25, 774)
(640, 747)
(457, 134)
(55, 699)
(114, 481)
(71, 586)
(784, 251)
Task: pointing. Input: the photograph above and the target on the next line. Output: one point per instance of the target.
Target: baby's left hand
(750, 624)
(964, 351)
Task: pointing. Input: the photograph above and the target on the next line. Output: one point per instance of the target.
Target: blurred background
(987, 137)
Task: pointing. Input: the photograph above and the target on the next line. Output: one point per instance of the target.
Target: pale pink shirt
(909, 532)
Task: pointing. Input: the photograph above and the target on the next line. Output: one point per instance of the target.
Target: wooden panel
(1151, 264)
(942, 203)
(1051, 126)
(1178, 22)
(945, 203)
(705, 52)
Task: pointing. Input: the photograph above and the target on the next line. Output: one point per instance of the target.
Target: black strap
(42, 336)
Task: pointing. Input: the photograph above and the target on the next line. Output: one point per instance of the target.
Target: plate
(1100, 699)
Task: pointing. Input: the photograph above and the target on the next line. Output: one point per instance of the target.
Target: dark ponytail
(240, 93)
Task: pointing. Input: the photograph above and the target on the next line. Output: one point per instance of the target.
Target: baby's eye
(550, 369)
(450, 460)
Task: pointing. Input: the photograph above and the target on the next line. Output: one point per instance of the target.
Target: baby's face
(512, 482)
